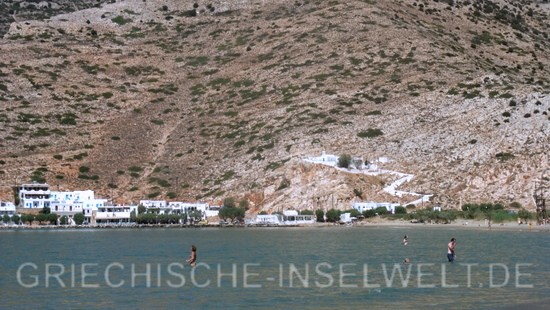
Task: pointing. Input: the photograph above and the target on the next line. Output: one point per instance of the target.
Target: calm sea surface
(299, 268)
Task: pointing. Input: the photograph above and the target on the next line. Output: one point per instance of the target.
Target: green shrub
(370, 133)
(344, 161)
(121, 20)
(504, 156)
(375, 112)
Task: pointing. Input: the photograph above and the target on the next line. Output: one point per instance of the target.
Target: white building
(357, 163)
(71, 203)
(112, 214)
(345, 218)
(179, 207)
(212, 211)
(33, 195)
(291, 217)
(268, 219)
(154, 204)
(370, 205)
(186, 207)
(7, 208)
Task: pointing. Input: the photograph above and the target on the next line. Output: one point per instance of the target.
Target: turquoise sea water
(298, 268)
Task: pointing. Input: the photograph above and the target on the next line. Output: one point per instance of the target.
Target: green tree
(244, 204)
(470, 210)
(515, 205)
(42, 218)
(239, 214)
(45, 210)
(344, 161)
(15, 218)
(27, 218)
(333, 215)
(232, 213)
(358, 193)
(524, 214)
(6, 218)
(51, 218)
(381, 210)
(229, 202)
(195, 215)
(141, 209)
(306, 212)
(79, 218)
(320, 215)
(353, 212)
(400, 210)
(133, 216)
(369, 213)
(64, 220)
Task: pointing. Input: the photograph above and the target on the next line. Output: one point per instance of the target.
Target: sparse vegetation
(176, 88)
(370, 133)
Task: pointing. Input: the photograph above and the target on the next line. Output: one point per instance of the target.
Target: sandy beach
(466, 224)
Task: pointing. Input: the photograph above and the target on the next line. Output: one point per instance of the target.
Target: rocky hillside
(21, 10)
(204, 100)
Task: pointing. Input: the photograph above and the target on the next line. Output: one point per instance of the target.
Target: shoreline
(458, 224)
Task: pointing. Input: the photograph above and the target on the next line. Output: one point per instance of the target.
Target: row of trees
(152, 218)
(491, 212)
(43, 218)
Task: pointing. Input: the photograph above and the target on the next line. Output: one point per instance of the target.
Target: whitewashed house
(113, 214)
(292, 217)
(370, 205)
(33, 195)
(268, 219)
(153, 204)
(73, 202)
(7, 208)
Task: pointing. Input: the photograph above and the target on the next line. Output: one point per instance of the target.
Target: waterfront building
(292, 217)
(7, 208)
(33, 195)
(289, 217)
(346, 218)
(73, 202)
(179, 207)
(112, 214)
(268, 219)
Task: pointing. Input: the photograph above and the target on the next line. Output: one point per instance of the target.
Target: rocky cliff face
(207, 100)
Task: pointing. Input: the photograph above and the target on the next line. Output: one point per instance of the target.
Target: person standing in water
(405, 240)
(451, 250)
(193, 257)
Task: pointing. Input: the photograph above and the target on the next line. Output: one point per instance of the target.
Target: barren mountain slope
(158, 99)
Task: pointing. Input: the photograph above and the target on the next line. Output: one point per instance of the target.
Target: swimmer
(193, 257)
(451, 250)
